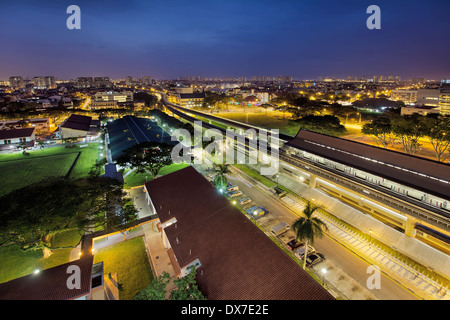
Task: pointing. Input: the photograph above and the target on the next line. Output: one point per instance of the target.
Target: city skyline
(170, 39)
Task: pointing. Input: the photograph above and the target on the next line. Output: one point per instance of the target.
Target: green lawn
(18, 170)
(20, 173)
(267, 120)
(15, 263)
(129, 260)
(137, 179)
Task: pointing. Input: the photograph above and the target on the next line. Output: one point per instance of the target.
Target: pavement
(417, 283)
(335, 280)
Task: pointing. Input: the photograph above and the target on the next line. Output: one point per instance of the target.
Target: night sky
(171, 38)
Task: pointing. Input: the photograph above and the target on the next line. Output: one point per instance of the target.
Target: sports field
(18, 170)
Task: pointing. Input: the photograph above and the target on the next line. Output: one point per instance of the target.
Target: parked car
(294, 244)
(314, 258)
(301, 251)
(234, 194)
(257, 212)
(244, 201)
(232, 188)
(279, 228)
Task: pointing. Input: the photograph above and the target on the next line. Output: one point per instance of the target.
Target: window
(7, 141)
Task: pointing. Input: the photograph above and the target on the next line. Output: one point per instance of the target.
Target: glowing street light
(324, 272)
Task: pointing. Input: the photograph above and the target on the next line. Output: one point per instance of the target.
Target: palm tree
(220, 180)
(308, 228)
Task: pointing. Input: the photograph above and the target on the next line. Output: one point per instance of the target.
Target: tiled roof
(77, 122)
(238, 261)
(16, 133)
(49, 284)
(192, 95)
(396, 166)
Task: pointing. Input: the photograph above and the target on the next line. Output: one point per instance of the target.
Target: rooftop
(16, 133)
(49, 284)
(238, 261)
(77, 122)
(420, 173)
(130, 130)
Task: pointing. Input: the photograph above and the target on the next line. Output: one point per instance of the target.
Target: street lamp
(324, 271)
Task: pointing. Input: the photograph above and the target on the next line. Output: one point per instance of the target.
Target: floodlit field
(18, 170)
(267, 120)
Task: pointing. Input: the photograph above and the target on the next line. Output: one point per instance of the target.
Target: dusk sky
(171, 38)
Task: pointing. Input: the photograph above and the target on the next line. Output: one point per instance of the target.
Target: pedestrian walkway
(418, 283)
(158, 255)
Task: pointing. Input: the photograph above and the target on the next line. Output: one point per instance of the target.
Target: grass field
(267, 120)
(129, 260)
(137, 179)
(15, 263)
(18, 170)
(23, 172)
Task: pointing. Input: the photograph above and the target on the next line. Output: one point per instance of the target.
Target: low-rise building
(125, 96)
(190, 100)
(234, 259)
(12, 138)
(407, 96)
(78, 126)
(95, 105)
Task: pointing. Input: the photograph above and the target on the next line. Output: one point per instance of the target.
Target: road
(337, 256)
(335, 253)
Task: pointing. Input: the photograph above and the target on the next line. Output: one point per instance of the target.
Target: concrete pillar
(312, 181)
(409, 227)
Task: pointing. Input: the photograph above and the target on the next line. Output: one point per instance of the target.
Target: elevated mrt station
(408, 193)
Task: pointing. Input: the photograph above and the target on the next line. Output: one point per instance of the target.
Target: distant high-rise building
(84, 82)
(146, 80)
(16, 82)
(128, 80)
(47, 82)
(102, 82)
(417, 80)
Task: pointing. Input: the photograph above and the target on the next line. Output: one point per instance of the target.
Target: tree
(147, 157)
(381, 130)
(30, 216)
(308, 228)
(220, 180)
(437, 130)
(186, 288)
(156, 290)
(150, 100)
(23, 147)
(409, 129)
(341, 111)
(323, 124)
(69, 142)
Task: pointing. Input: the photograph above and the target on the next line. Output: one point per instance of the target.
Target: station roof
(419, 173)
(238, 261)
(130, 130)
